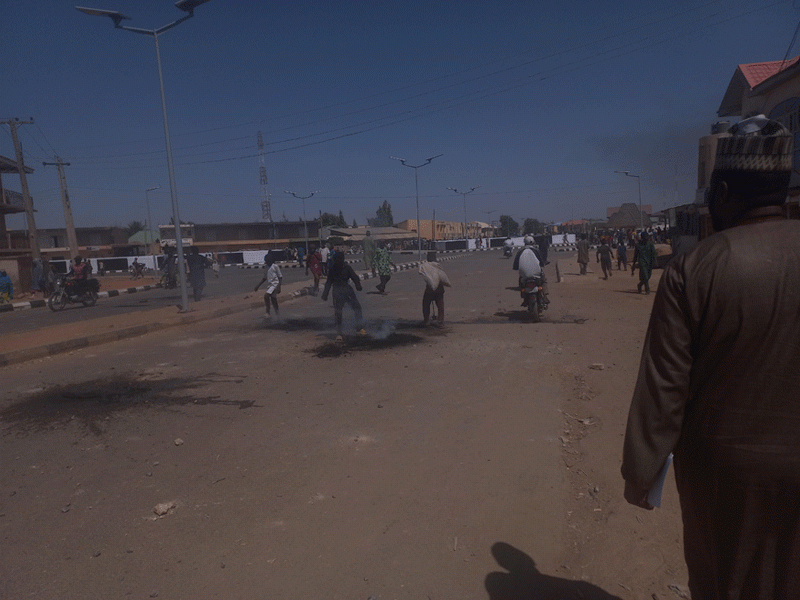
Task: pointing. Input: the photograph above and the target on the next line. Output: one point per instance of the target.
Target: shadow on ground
(90, 403)
(521, 579)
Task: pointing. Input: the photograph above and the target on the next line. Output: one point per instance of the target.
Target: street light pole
(416, 183)
(639, 180)
(150, 225)
(305, 224)
(464, 196)
(188, 7)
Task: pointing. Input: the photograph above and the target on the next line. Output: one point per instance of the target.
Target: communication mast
(266, 209)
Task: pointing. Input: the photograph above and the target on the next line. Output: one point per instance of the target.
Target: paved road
(231, 281)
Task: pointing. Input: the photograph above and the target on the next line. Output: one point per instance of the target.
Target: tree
(135, 227)
(331, 220)
(508, 226)
(354, 223)
(383, 216)
(532, 226)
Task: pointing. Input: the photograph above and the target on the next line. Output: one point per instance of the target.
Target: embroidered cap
(755, 144)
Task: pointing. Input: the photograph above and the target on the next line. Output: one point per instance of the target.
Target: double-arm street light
(188, 7)
(641, 216)
(150, 225)
(305, 224)
(416, 182)
(464, 196)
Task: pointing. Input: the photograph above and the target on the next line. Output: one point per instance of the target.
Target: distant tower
(266, 209)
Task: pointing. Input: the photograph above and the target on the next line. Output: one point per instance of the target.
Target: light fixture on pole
(416, 183)
(150, 225)
(464, 196)
(641, 216)
(188, 7)
(305, 224)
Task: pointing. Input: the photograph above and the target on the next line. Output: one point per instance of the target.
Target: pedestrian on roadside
(583, 252)
(215, 266)
(274, 278)
(339, 276)
(197, 264)
(435, 282)
(314, 264)
(38, 282)
(719, 383)
(544, 244)
(324, 253)
(383, 263)
(101, 268)
(644, 258)
(603, 256)
(6, 287)
(301, 252)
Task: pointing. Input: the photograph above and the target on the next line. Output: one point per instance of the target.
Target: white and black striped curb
(108, 294)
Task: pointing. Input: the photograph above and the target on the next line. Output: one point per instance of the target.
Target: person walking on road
(339, 276)
(583, 253)
(645, 258)
(274, 278)
(435, 282)
(622, 255)
(324, 253)
(604, 258)
(314, 264)
(383, 263)
(719, 384)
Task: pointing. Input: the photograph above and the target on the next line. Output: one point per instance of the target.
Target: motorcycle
(71, 291)
(507, 252)
(533, 297)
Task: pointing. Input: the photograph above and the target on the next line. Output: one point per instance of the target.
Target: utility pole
(33, 238)
(72, 238)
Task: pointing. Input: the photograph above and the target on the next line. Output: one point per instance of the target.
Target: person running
(274, 278)
(383, 263)
(339, 276)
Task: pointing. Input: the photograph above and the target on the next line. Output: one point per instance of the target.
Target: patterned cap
(755, 144)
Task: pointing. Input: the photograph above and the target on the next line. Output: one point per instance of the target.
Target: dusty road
(477, 461)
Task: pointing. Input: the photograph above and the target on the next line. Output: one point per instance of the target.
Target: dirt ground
(476, 461)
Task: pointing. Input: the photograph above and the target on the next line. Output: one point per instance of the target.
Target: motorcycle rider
(529, 263)
(508, 245)
(78, 272)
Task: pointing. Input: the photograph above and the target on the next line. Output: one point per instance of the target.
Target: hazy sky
(537, 103)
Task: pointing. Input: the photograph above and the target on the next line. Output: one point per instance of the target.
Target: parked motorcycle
(71, 291)
(533, 297)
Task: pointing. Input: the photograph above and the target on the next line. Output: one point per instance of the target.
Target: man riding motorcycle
(79, 272)
(529, 263)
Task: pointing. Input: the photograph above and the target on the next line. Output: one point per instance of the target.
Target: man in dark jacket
(719, 383)
(339, 276)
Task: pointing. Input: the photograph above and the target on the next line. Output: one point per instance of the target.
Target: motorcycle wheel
(57, 301)
(533, 309)
(89, 298)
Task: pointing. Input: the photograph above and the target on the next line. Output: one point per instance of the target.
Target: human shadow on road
(522, 580)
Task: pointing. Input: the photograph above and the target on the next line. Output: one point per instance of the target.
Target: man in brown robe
(719, 380)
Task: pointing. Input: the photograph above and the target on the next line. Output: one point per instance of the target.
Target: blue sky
(536, 103)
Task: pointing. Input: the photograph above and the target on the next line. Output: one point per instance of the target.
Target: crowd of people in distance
(611, 247)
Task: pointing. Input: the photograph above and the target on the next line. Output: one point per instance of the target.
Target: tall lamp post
(639, 179)
(305, 223)
(150, 225)
(464, 196)
(416, 182)
(188, 7)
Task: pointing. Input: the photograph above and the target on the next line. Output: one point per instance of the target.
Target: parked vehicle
(69, 291)
(533, 298)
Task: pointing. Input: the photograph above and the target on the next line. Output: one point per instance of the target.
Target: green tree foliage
(508, 226)
(331, 220)
(135, 227)
(383, 216)
(354, 223)
(532, 226)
